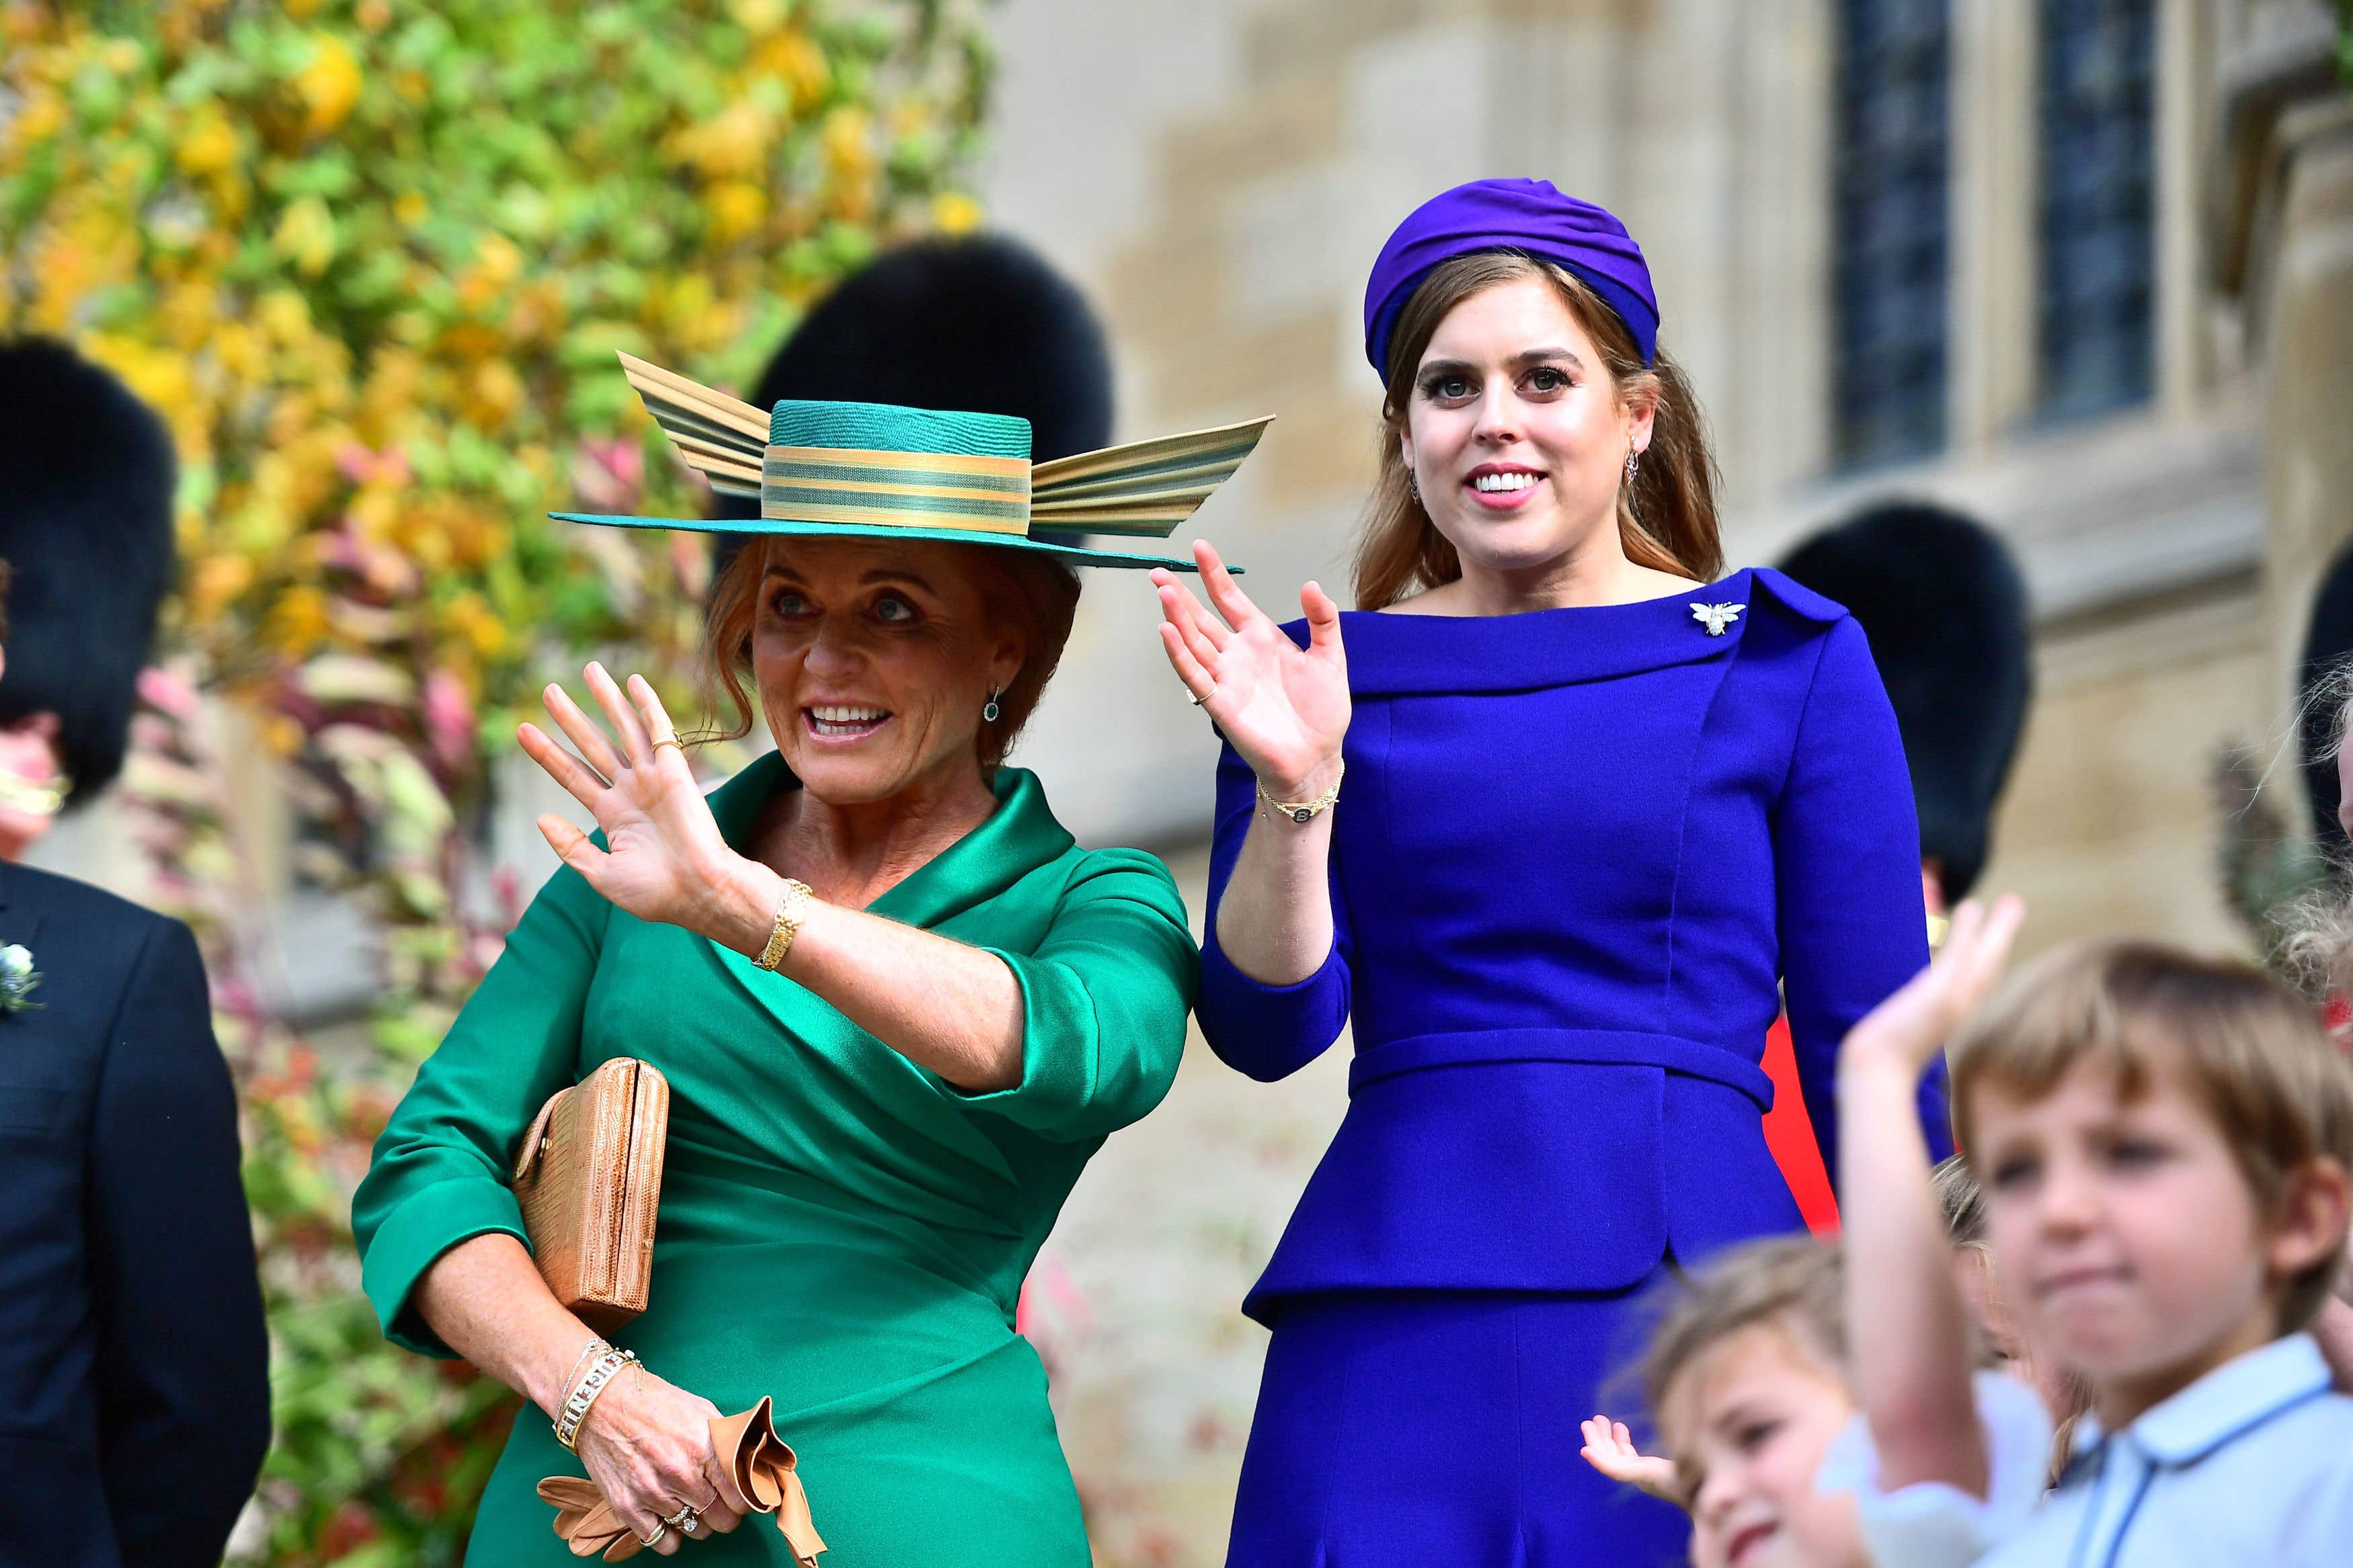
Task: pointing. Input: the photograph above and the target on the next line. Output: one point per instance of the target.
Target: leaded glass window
(1893, 167)
(2098, 295)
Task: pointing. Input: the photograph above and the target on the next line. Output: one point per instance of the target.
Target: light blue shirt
(2252, 1464)
(1930, 1524)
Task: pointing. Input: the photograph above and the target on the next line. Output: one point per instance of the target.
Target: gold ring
(684, 1518)
(660, 1530)
(670, 741)
(1198, 699)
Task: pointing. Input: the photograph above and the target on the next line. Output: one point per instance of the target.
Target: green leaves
(373, 260)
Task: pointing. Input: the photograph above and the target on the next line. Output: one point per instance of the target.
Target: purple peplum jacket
(1582, 858)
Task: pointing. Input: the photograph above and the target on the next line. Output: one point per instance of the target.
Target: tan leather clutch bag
(588, 1175)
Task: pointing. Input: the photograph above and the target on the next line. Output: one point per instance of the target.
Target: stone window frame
(1891, 231)
(1998, 191)
(2096, 348)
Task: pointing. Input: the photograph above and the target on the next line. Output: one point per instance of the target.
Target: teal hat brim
(1076, 554)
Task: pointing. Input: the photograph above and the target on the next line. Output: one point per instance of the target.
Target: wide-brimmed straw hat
(877, 470)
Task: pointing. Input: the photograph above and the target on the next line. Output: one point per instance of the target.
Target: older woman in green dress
(869, 1142)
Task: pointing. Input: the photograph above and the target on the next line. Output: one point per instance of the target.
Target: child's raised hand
(1610, 1449)
(1910, 1027)
(1907, 1326)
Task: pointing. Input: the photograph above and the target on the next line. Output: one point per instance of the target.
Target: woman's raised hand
(647, 1444)
(663, 857)
(1285, 708)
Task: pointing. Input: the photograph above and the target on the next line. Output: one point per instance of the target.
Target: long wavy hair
(1666, 517)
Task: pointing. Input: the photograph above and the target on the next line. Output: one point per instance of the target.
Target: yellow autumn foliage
(371, 260)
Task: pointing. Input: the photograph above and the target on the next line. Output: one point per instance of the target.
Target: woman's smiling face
(1515, 432)
(874, 659)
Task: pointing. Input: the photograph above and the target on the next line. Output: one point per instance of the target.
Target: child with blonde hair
(2164, 1143)
(1829, 1417)
(1747, 1377)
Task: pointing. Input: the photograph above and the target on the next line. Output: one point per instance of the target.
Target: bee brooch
(1715, 618)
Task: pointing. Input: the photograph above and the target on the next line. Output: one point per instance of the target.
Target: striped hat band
(857, 470)
(901, 490)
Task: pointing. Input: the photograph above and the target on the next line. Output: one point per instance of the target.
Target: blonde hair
(1962, 1201)
(2315, 933)
(1666, 517)
(1789, 1282)
(2251, 1049)
(2316, 937)
(1037, 594)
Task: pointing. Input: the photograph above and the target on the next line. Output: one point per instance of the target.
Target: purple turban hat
(1528, 216)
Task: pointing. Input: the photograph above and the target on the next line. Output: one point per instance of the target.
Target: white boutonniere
(17, 978)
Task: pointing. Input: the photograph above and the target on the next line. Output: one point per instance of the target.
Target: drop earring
(1633, 464)
(1413, 487)
(988, 714)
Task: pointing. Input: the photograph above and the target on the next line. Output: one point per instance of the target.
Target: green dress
(839, 1228)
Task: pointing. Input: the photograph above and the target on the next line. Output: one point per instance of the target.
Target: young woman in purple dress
(1555, 819)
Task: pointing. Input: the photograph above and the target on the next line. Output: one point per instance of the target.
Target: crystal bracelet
(601, 1371)
(596, 1346)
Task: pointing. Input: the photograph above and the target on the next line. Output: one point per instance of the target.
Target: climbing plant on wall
(370, 259)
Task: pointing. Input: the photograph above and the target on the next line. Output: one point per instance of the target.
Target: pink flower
(363, 465)
(690, 557)
(449, 720)
(168, 691)
(609, 474)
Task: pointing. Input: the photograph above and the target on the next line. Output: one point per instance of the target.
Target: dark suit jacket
(134, 1395)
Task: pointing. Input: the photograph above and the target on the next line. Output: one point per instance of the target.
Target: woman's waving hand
(1285, 708)
(663, 857)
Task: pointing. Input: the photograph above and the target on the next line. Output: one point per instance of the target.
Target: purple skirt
(1442, 1427)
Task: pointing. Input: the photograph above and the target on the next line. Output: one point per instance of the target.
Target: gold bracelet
(600, 1374)
(792, 908)
(1306, 811)
(594, 1347)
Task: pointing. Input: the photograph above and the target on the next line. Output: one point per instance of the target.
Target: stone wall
(1219, 176)
(1230, 250)
(1238, 212)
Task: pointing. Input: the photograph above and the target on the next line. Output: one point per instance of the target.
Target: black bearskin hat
(86, 477)
(2326, 649)
(1942, 604)
(981, 324)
